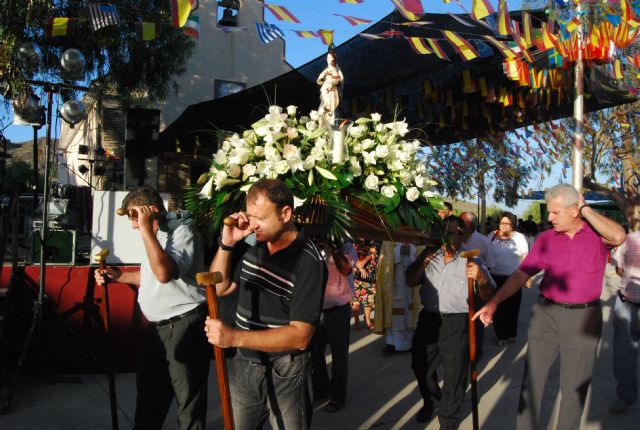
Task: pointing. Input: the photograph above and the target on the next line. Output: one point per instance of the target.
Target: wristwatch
(582, 207)
(222, 246)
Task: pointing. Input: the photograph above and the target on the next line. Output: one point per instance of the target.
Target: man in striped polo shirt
(281, 283)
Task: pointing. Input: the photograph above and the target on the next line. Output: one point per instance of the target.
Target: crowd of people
(297, 294)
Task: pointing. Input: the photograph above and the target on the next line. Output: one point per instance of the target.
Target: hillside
(23, 151)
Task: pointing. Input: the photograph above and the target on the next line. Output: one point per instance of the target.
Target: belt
(198, 309)
(444, 315)
(570, 305)
(624, 299)
(265, 360)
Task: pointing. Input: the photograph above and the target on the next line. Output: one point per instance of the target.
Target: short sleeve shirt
(445, 287)
(573, 268)
(628, 258)
(160, 301)
(275, 289)
(340, 288)
(508, 252)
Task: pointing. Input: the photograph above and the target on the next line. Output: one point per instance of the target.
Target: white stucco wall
(237, 57)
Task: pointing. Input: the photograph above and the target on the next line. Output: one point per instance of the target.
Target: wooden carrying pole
(209, 280)
(101, 259)
(469, 255)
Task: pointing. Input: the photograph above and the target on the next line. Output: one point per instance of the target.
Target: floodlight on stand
(228, 19)
(73, 65)
(83, 169)
(73, 112)
(30, 55)
(27, 110)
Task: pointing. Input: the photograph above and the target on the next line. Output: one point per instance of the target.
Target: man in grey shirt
(441, 335)
(174, 356)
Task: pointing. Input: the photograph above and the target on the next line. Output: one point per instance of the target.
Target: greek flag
(268, 32)
(103, 15)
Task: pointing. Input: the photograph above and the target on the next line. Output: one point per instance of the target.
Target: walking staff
(470, 255)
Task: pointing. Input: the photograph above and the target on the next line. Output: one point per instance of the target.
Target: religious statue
(330, 81)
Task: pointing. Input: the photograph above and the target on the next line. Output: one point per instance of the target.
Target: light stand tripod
(37, 310)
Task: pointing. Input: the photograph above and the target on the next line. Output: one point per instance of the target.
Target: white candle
(338, 147)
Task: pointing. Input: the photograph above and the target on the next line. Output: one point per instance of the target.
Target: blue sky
(312, 16)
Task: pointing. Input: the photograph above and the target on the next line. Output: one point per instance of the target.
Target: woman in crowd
(365, 283)
(510, 248)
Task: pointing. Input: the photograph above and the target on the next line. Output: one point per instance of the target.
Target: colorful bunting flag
(419, 45)
(180, 11)
(504, 20)
(527, 28)
(146, 31)
(617, 70)
(60, 26)
(483, 49)
(410, 9)
(103, 15)
(353, 20)
(268, 32)
(504, 49)
(326, 36)
(306, 34)
(437, 49)
(281, 13)
(481, 9)
(351, 1)
(464, 48)
(573, 24)
(192, 27)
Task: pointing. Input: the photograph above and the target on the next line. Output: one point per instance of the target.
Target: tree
(141, 72)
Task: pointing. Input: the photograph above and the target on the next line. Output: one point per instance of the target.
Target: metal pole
(578, 110)
(35, 168)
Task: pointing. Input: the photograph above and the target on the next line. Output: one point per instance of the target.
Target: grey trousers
(572, 333)
(174, 360)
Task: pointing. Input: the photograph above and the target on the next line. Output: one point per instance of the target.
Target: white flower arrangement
(383, 169)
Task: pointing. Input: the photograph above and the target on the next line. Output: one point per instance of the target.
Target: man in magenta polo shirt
(567, 318)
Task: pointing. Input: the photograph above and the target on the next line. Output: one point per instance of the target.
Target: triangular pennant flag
(180, 11)
(326, 36)
(306, 34)
(410, 9)
(192, 27)
(437, 49)
(419, 45)
(481, 9)
(281, 13)
(353, 20)
(464, 48)
(504, 21)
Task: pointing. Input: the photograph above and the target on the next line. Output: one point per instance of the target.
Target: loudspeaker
(60, 247)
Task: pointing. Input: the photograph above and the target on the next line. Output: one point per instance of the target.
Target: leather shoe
(425, 414)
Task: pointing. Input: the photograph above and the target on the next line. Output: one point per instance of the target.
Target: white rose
(290, 152)
(248, 170)
(368, 143)
(314, 115)
(356, 131)
(263, 167)
(382, 151)
(369, 157)
(428, 194)
(371, 182)
(317, 153)
(396, 165)
(357, 148)
(379, 128)
(388, 191)
(234, 170)
(292, 110)
(226, 146)
(271, 153)
(259, 151)
(311, 125)
(412, 194)
(420, 181)
(292, 132)
(239, 156)
(309, 162)
(296, 164)
(221, 157)
(355, 168)
(282, 167)
(376, 117)
(405, 177)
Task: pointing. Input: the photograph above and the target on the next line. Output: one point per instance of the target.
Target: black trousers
(441, 340)
(505, 319)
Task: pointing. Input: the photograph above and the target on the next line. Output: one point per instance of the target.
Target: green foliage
(141, 72)
(534, 210)
(18, 178)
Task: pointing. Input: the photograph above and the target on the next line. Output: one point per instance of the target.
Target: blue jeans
(279, 391)
(626, 333)
(333, 330)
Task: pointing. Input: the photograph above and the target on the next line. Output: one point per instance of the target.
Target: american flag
(103, 15)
